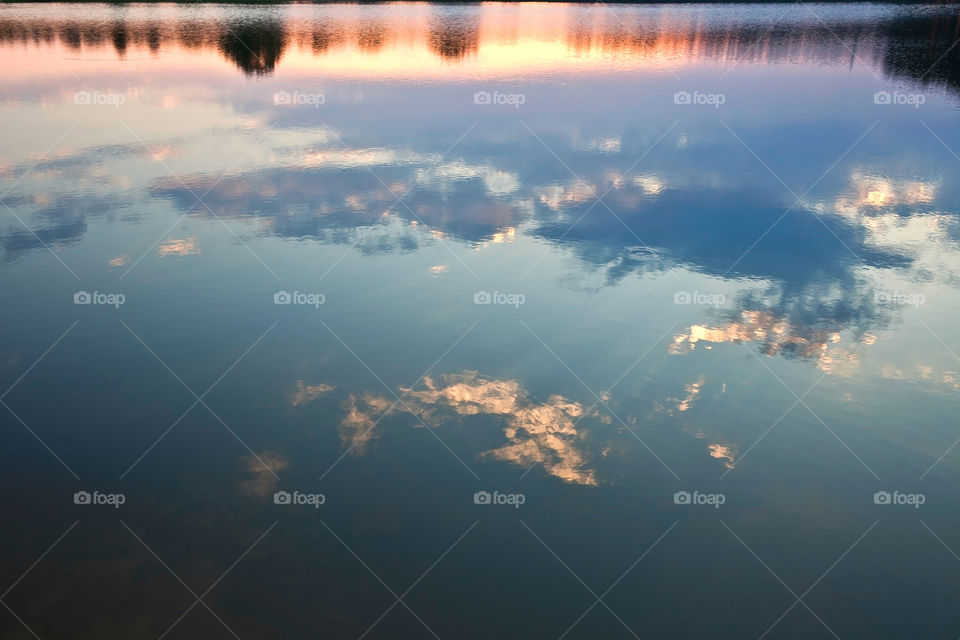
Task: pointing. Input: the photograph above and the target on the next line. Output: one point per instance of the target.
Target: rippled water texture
(479, 321)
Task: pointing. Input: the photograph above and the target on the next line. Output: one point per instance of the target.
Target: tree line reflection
(904, 43)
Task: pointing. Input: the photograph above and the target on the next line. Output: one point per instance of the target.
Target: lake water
(480, 321)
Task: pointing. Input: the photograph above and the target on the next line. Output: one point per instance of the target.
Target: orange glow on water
(412, 41)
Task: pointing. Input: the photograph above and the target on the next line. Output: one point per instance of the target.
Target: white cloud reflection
(776, 334)
(537, 432)
(262, 468)
(304, 394)
(178, 247)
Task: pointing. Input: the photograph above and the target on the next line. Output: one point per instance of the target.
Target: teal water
(473, 321)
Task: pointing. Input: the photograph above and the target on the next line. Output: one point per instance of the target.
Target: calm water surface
(479, 321)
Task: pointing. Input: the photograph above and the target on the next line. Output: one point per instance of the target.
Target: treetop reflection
(903, 42)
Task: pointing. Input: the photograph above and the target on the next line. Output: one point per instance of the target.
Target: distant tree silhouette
(454, 38)
(255, 47)
(119, 38)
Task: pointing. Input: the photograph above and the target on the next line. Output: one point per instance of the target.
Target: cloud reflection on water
(544, 433)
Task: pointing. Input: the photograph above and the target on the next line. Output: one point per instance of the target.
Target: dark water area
(479, 320)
